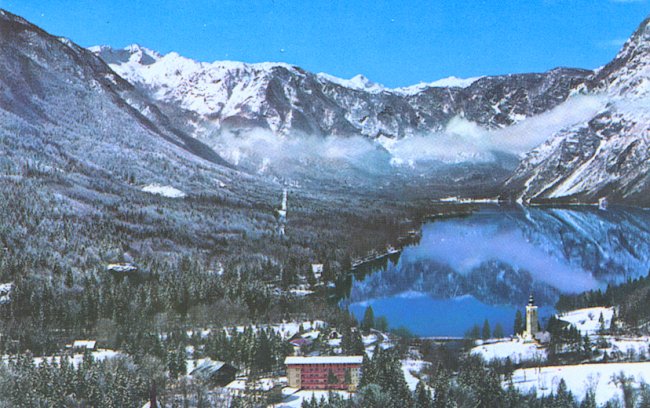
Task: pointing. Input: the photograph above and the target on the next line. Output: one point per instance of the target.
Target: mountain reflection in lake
(484, 266)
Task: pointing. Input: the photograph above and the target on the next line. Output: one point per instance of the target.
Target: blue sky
(396, 43)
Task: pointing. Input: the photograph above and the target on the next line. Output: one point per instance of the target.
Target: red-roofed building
(324, 372)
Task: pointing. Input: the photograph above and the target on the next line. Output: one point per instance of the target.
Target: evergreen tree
(381, 323)
(181, 361)
(601, 324)
(563, 397)
(263, 358)
(498, 331)
(373, 396)
(356, 346)
(422, 396)
(485, 332)
(589, 401)
(441, 385)
(519, 323)
(69, 279)
(474, 332)
(368, 321)
(172, 364)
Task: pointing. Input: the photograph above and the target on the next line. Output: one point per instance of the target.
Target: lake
(485, 265)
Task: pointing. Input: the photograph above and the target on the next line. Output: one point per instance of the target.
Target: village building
(82, 345)
(324, 372)
(334, 335)
(317, 270)
(122, 268)
(532, 320)
(214, 372)
(533, 333)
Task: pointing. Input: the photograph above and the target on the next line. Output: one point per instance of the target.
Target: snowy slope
(587, 320)
(580, 378)
(516, 350)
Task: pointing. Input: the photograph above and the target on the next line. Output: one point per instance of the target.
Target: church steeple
(532, 323)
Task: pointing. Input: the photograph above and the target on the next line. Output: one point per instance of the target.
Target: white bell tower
(532, 320)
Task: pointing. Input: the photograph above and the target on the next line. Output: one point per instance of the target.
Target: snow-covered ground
(294, 398)
(165, 191)
(301, 292)
(586, 320)
(5, 292)
(75, 359)
(412, 369)
(517, 350)
(626, 347)
(285, 329)
(263, 384)
(579, 378)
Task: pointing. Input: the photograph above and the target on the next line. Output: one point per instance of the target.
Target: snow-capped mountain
(284, 98)
(609, 155)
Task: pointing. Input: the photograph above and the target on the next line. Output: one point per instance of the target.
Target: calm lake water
(484, 266)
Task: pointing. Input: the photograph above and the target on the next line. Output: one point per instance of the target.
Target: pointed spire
(531, 300)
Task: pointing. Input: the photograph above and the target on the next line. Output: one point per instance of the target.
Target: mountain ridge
(190, 104)
(285, 98)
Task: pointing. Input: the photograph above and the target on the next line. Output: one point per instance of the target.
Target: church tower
(532, 322)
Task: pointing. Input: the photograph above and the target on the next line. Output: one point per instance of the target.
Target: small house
(300, 342)
(122, 268)
(215, 372)
(83, 345)
(334, 335)
(317, 270)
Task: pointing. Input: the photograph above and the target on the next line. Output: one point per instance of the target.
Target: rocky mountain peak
(628, 74)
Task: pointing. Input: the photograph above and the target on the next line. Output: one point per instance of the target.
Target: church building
(533, 332)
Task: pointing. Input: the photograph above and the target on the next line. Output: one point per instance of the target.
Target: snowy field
(412, 369)
(586, 320)
(579, 378)
(630, 348)
(518, 351)
(165, 191)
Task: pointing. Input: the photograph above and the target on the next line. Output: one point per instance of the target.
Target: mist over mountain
(607, 155)
(552, 121)
(564, 135)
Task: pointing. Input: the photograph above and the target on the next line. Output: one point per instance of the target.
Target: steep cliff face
(284, 98)
(608, 156)
(61, 93)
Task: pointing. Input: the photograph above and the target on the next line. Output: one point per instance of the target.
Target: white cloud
(461, 141)
(464, 141)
